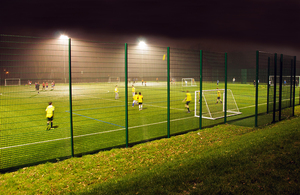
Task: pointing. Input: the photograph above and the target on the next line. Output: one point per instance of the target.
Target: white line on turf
(115, 129)
(46, 141)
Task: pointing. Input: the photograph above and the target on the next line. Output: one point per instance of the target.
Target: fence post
(126, 93)
(280, 85)
(275, 83)
(70, 100)
(268, 84)
(200, 93)
(225, 101)
(168, 93)
(256, 87)
(291, 84)
(294, 95)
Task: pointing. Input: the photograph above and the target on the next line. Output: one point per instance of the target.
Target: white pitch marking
(91, 134)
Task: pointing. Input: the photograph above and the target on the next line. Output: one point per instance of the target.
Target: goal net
(12, 81)
(114, 79)
(213, 110)
(188, 82)
(286, 80)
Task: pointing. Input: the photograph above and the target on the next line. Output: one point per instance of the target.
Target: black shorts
(140, 103)
(50, 119)
(187, 103)
(219, 98)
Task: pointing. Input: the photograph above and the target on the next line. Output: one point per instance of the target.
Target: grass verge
(223, 159)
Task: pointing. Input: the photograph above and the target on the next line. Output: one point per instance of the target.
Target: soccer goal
(114, 80)
(12, 81)
(213, 110)
(286, 80)
(188, 82)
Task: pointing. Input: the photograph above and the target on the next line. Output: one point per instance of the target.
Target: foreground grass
(222, 159)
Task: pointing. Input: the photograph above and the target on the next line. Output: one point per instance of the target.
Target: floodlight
(64, 41)
(63, 37)
(142, 45)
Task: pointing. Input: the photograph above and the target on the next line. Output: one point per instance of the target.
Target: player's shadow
(54, 127)
(33, 95)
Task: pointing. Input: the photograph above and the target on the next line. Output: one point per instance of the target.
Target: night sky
(270, 25)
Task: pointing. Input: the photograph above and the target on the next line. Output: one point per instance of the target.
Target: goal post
(211, 109)
(12, 81)
(188, 82)
(113, 79)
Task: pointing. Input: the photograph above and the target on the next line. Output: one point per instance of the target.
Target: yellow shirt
(188, 97)
(135, 97)
(116, 90)
(49, 111)
(219, 94)
(133, 89)
(141, 98)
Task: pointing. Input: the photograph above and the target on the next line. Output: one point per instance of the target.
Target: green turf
(224, 159)
(99, 119)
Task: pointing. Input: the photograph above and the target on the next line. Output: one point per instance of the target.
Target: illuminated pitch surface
(99, 119)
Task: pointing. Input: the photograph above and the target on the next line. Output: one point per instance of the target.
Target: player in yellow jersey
(187, 99)
(140, 98)
(116, 92)
(133, 91)
(50, 115)
(135, 99)
(219, 97)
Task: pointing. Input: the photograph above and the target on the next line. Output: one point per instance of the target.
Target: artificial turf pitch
(99, 119)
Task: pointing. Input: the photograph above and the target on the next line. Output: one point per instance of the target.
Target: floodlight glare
(142, 44)
(63, 37)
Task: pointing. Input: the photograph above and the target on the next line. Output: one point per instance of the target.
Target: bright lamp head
(63, 37)
(142, 45)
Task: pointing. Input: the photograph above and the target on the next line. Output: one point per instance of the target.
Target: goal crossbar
(188, 82)
(16, 81)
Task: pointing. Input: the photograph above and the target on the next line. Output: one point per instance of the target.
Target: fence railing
(92, 86)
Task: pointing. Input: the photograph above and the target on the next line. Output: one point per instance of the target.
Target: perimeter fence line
(92, 86)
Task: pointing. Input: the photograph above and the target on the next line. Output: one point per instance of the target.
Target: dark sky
(265, 23)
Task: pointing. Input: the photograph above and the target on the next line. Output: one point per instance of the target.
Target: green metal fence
(92, 86)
